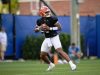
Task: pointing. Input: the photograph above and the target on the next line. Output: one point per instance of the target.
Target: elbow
(59, 28)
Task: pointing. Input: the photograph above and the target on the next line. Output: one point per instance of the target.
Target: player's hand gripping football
(37, 29)
(44, 27)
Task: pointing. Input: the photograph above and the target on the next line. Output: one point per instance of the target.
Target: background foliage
(32, 45)
(11, 6)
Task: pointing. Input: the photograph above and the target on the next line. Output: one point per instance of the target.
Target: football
(44, 27)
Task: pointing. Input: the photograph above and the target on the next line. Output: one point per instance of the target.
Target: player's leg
(57, 44)
(51, 56)
(78, 57)
(44, 57)
(2, 51)
(2, 55)
(44, 51)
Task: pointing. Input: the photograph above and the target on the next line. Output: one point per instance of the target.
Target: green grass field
(85, 67)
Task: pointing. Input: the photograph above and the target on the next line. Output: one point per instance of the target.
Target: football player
(49, 25)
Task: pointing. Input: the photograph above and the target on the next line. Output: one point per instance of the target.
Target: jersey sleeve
(77, 49)
(38, 22)
(55, 19)
(69, 50)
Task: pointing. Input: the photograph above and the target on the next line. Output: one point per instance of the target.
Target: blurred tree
(9, 6)
(0, 6)
(14, 6)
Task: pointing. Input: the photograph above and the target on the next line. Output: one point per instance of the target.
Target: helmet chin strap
(48, 15)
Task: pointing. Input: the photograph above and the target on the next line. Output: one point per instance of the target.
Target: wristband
(53, 28)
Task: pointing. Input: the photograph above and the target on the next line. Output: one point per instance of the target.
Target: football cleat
(73, 67)
(51, 66)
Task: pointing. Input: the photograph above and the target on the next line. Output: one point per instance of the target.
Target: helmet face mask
(44, 11)
(47, 14)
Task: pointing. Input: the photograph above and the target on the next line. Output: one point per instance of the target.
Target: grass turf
(85, 67)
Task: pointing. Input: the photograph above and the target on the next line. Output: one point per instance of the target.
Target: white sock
(70, 62)
(51, 63)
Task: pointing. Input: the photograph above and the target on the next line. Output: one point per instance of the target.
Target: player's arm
(57, 25)
(38, 24)
(79, 54)
(37, 28)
